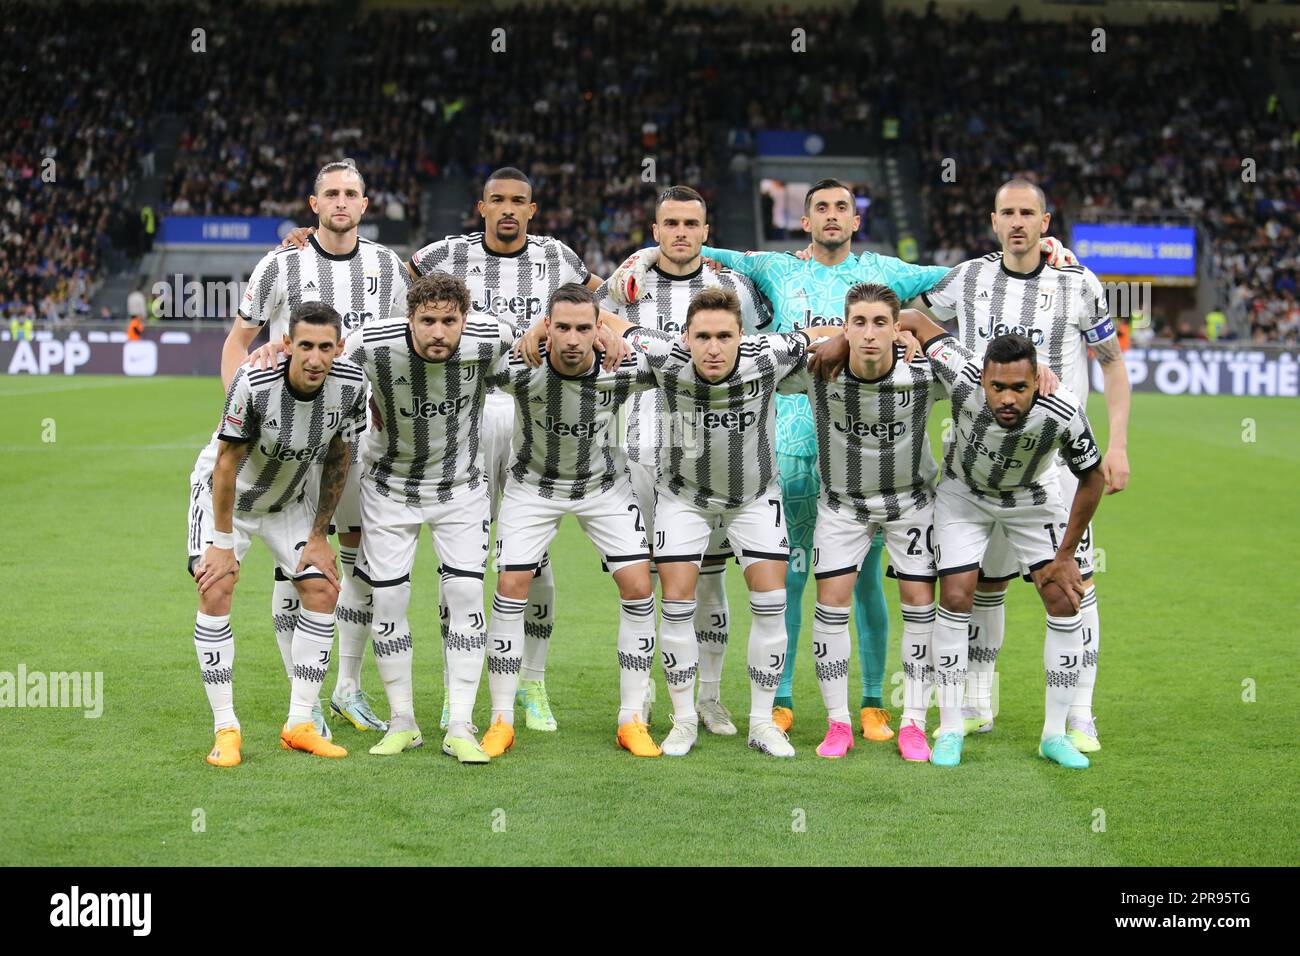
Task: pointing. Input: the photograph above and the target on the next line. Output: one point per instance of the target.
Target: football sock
(871, 618)
(215, 646)
(767, 642)
(711, 624)
(353, 613)
(680, 655)
(393, 653)
(918, 660)
(462, 644)
(831, 659)
(505, 654)
(313, 639)
(1062, 651)
(948, 647)
(987, 627)
(539, 622)
(1081, 706)
(796, 576)
(284, 615)
(636, 654)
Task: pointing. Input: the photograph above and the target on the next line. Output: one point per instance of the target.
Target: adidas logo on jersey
(310, 286)
(401, 380)
(784, 543)
(476, 271)
(271, 423)
(983, 295)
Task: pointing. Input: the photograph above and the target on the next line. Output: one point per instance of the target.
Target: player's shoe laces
(531, 695)
(947, 749)
(838, 742)
(396, 741)
(444, 720)
(783, 718)
(355, 709)
(770, 739)
(973, 722)
(634, 737)
(1083, 734)
(875, 723)
(225, 752)
(305, 737)
(681, 738)
(716, 718)
(318, 718)
(499, 738)
(464, 749)
(912, 744)
(1060, 750)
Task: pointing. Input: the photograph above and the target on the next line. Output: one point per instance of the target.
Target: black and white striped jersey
(873, 453)
(720, 449)
(368, 284)
(1061, 310)
(519, 284)
(428, 448)
(566, 443)
(1005, 464)
(662, 307)
(288, 432)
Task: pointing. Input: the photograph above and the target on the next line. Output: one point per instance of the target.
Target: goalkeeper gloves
(1056, 253)
(628, 280)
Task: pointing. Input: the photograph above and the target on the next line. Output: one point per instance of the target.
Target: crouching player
(877, 474)
(276, 426)
(999, 475)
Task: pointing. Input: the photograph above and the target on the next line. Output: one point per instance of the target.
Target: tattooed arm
(1115, 386)
(318, 552)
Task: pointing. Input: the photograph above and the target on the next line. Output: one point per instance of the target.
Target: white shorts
(498, 433)
(754, 532)
(284, 532)
(841, 542)
(643, 484)
(965, 525)
(1000, 562)
(391, 530)
(528, 522)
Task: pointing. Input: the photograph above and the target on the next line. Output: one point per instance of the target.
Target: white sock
(948, 648)
(313, 639)
(505, 649)
(680, 655)
(444, 615)
(831, 659)
(215, 646)
(1062, 653)
(539, 622)
(284, 615)
(636, 654)
(354, 614)
(767, 640)
(918, 661)
(1081, 706)
(711, 625)
(987, 628)
(463, 643)
(393, 652)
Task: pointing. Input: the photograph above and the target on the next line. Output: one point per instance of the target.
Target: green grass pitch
(1198, 605)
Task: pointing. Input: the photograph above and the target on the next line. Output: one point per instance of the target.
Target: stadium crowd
(413, 94)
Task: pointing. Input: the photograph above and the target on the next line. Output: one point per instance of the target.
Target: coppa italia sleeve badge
(235, 415)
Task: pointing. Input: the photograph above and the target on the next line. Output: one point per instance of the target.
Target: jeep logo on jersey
(993, 329)
(525, 307)
(992, 454)
(354, 320)
(811, 321)
(280, 452)
(671, 327)
(881, 431)
(582, 430)
(729, 421)
(434, 409)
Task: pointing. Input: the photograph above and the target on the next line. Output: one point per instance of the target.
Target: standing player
(719, 388)
(680, 227)
(512, 274)
(252, 481)
(364, 282)
(429, 378)
(998, 479)
(567, 461)
(877, 475)
(805, 294)
(1063, 311)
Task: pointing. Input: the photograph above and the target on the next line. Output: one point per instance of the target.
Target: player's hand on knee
(317, 553)
(1048, 381)
(298, 237)
(529, 345)
(216, 565)
(1063, 573)
(266, 357)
